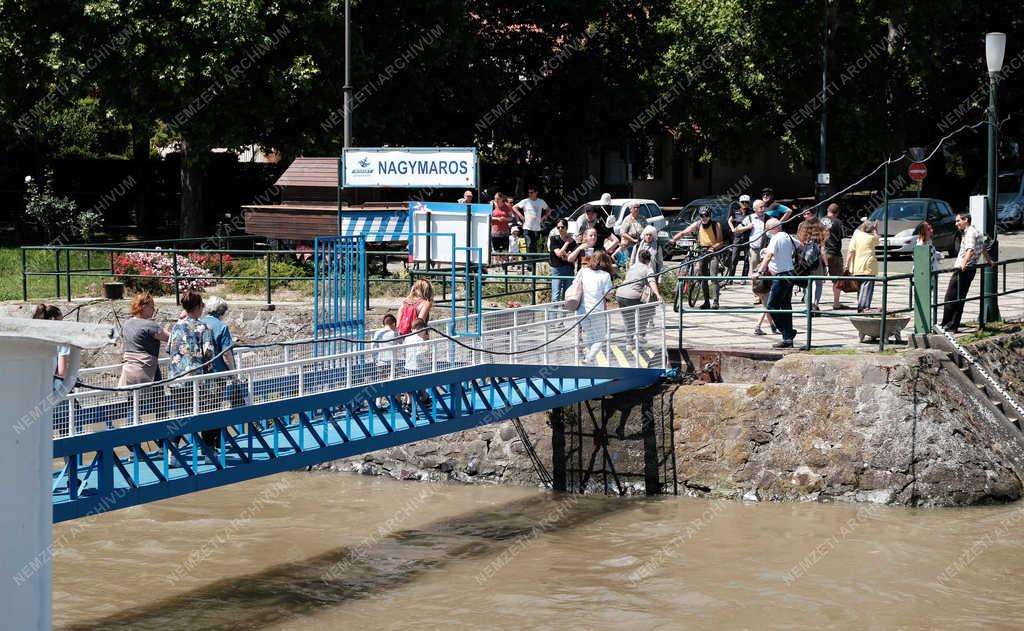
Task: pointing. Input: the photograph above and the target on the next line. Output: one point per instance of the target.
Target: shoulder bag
(574, 295)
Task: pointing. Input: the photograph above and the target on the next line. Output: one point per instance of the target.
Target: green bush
(258, 268)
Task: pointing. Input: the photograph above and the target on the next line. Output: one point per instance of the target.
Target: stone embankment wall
(894, 429)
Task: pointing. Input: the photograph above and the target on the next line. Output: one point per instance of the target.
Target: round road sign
(918, 171)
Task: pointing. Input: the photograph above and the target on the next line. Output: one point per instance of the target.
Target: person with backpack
(834, 250)
(416, 305)
(811, 260)
(709, 242)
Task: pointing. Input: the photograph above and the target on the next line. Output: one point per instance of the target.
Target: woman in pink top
(502, 213)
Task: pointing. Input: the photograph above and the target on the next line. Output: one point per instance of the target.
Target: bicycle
(687, 288)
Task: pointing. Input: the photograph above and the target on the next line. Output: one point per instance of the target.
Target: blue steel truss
(339, 298)
(123, 467)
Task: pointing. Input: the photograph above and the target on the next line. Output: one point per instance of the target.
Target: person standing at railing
(559, 245)
(834, 249)
(631, 229)
(860, 261)
(141, 338)
(649, 243)
(971, 244)
(639, 287)
(812, 231)
(924, 233)
(417, 304)
(778, 259)
(535, 212)
(596, 279)
(385, 359)
(190, 346)
(224, 356)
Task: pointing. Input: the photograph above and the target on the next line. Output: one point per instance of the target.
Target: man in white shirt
(467, 198)
(751, 230)
(778, 259)
(972, 244)
(535, 212)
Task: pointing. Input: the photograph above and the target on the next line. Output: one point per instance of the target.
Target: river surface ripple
(336, 551)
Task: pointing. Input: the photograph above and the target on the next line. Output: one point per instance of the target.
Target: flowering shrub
(154, 272)
(212, 262)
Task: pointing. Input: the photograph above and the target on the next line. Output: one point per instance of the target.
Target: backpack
(406, 316)
(806, 260)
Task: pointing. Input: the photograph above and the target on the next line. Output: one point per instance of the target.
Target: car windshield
(901, 211)
(719, 210)
(602, 211)
(1009, 183)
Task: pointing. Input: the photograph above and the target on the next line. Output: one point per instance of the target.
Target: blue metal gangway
(291, 405)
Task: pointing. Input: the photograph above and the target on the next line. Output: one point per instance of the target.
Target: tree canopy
(533, 83)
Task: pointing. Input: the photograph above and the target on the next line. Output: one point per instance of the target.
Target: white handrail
(540, 339)
(981, 371)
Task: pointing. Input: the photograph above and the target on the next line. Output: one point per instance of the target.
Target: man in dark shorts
(834, 249)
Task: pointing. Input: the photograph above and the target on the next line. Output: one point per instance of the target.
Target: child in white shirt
(385, 359)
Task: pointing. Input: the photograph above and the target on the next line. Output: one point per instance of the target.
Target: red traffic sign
(918, 171)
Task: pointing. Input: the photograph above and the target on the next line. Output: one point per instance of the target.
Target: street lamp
(822, 181)
(995, 46)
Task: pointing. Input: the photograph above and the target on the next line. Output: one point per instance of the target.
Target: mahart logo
(364, 167)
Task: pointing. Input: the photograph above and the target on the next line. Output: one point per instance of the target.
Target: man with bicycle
(709, 243)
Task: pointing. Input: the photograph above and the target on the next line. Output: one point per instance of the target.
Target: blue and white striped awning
(387, 225)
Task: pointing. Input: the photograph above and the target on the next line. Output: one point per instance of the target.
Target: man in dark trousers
(778, 259)
(971, 244)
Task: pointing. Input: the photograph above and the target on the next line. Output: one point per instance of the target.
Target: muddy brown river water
(335, 551)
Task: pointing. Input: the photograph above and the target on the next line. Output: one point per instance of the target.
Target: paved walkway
(830, 330)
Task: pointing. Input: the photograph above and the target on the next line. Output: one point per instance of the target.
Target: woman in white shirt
(596, 278)
(649, 242)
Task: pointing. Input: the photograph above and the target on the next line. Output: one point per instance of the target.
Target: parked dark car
(1010, 201)
(905, 215)
(720, 208)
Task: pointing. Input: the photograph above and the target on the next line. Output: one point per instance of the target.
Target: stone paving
(832, 329)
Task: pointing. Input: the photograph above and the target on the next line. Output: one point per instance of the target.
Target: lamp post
(995, 46)
(346, 106)
(822, 180)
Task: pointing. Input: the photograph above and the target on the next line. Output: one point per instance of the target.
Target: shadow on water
(280, 593)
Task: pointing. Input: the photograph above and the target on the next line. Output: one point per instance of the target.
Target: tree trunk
(191, 215)
(145, 219)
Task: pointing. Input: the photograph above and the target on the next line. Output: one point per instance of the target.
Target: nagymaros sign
(434, 167)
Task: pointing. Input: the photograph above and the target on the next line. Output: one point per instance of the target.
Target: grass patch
(44, 287)
(991, 330)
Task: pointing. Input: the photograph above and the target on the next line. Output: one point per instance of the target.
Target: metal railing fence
(548, 337)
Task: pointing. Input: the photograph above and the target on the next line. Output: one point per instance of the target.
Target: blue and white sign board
(410, 167)
(448, 219)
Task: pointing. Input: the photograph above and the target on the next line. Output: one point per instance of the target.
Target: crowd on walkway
(774, 250)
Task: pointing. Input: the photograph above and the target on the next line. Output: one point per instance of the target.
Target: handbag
(574, 295)
(762, 284)
(646, 294)
(848, 285)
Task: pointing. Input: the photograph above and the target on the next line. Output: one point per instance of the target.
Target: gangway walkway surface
(286, 406)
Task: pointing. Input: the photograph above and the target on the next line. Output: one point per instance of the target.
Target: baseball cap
(515, 228)
(744, 198)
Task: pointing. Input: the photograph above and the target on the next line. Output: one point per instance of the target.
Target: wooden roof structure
(309, 203)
